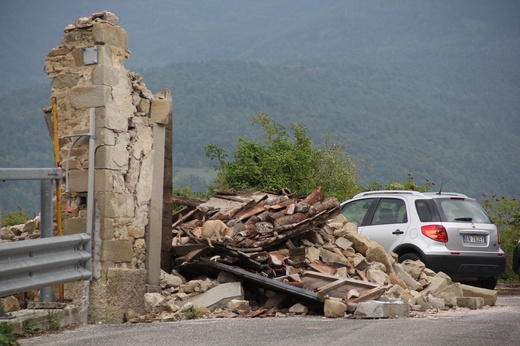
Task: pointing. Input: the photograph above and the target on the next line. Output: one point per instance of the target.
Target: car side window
(355, 211)
(389, 211)
(423, 210)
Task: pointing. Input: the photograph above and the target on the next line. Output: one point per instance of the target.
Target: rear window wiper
(468, 219)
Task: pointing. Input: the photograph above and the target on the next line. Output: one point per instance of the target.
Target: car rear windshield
(461, 210)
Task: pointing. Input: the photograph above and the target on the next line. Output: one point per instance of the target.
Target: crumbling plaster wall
(87, 71)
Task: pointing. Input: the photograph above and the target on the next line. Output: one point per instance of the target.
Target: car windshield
(462, 210)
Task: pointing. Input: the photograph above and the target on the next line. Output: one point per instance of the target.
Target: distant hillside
(161, 32)
(401, 118)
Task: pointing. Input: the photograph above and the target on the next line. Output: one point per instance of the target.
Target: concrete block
(489, 296)
(89, 96)
(117, 251)
(160, 111)
(217, 297)
(472, 303)
(110, 35)
(378, 309)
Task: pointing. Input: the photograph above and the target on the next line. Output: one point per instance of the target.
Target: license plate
(474, 239)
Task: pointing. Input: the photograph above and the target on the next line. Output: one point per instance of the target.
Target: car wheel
(410, 256)
(488, 283)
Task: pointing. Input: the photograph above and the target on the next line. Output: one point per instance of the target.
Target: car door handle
(397, 231)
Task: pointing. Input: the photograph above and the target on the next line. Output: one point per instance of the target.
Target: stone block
(437, 303)
(160, 111)
(489, 296)
(451, 294)
(116, 205)
(125, 290)
(67, 80)
(104, 55)
(74, 225)
(218, 296)
(343, 243)
(107, 229)
(109, 35)
(105, 75)
(89, 96)
(117, 251)
(114, 118)
(113, 157)
(333, 259)
(144, 105)
(104, 181)
(105, 136)
(360, 242)
(414, 268)
(312, 254)
(377, 253)
(437, 284)
(11, 304)
(108, 181)
(239, 306)
(410, 282)
(299, 309)
(378, 309)
(334, 309)
(472, 303)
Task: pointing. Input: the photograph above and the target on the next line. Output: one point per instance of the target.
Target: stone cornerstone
(87, 71)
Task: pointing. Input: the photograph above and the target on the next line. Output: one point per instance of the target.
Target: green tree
(505, 213)
(409, 184)
(281, 161)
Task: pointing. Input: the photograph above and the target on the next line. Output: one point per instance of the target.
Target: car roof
(409, 192)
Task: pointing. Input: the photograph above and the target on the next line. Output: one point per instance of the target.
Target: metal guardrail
(41, 263)
(36, 263)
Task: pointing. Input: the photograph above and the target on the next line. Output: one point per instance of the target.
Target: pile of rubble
(257, 255)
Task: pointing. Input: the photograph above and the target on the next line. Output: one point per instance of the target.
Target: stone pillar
(87, 71)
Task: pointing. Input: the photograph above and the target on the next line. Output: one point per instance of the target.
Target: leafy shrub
(281, 162)
(14, 218)
(505, 213)
(6, 335)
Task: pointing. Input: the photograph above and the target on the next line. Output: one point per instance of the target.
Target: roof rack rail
(390, 192)
(454, 194)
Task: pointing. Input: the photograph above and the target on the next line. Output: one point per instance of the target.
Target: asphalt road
(499, 325)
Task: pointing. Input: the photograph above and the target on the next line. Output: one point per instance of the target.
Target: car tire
(410, 256)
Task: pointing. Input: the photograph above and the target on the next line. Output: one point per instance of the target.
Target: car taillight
(498, 237)
(435, 232)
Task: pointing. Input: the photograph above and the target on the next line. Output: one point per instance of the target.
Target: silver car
(449, 232)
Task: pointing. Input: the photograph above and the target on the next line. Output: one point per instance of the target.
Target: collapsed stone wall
(87, 71)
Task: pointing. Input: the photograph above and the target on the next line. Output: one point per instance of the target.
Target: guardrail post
(46, 227)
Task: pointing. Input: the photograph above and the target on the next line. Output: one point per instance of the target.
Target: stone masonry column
(87, 71)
